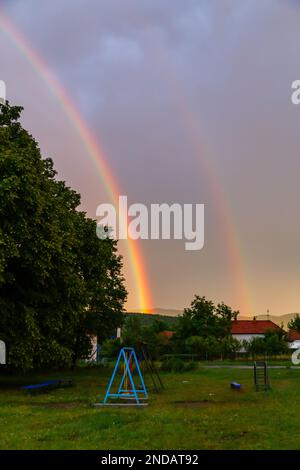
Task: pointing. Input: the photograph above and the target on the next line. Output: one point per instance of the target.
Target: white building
(293, 339)
(246, 330)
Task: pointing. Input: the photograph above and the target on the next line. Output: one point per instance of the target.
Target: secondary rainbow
(112, 188)
(194, 129)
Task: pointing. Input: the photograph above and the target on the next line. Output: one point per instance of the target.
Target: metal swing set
(131, 389)
(132, 394)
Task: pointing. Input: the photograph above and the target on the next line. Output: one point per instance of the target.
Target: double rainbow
(136, 260)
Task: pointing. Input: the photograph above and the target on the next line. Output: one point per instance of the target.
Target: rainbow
(111, 185)
(219, 197)
(191, 122)
(225, 215)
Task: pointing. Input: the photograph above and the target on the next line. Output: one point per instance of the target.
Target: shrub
(110, 348)
(192, 365)
(173, 364)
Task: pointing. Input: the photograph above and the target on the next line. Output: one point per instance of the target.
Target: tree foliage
(134, 334)
(204, 319)
(58, 282)
(294, 324)
(272, 344)
(210, 347)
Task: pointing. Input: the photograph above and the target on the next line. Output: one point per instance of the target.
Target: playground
(196, 410)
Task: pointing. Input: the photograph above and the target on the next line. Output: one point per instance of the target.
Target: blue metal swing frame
(128, 355)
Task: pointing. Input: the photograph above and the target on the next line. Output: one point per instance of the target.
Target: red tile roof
(293, 335)
(252, 327)
(167, 334)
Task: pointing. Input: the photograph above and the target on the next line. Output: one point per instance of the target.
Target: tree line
(202, 331)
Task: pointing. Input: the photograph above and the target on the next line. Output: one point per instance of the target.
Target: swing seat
(235, 386)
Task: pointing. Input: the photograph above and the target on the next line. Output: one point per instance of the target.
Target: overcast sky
(191, 102)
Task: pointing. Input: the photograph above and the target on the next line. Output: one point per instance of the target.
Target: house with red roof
(167, 334)
(246, 330)
(293, 338)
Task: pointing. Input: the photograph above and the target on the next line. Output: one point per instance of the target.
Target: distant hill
(160, 311)
(278, 319)
(148, 318)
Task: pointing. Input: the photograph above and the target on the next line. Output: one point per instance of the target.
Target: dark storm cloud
(167, 84)
(86, 40)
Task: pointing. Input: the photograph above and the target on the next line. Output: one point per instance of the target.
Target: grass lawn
(198, 410)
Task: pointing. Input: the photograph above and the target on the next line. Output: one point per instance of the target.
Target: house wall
(247, 338)
(294, 344)
(2, 353)
(93, 356)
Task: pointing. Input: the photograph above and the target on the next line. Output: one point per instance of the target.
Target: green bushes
(110, 348)
(174, 364)
(272, 344)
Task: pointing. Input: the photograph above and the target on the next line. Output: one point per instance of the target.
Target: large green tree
(204, 319)
(59, 283)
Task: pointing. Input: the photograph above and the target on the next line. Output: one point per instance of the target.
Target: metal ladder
(261, 376)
